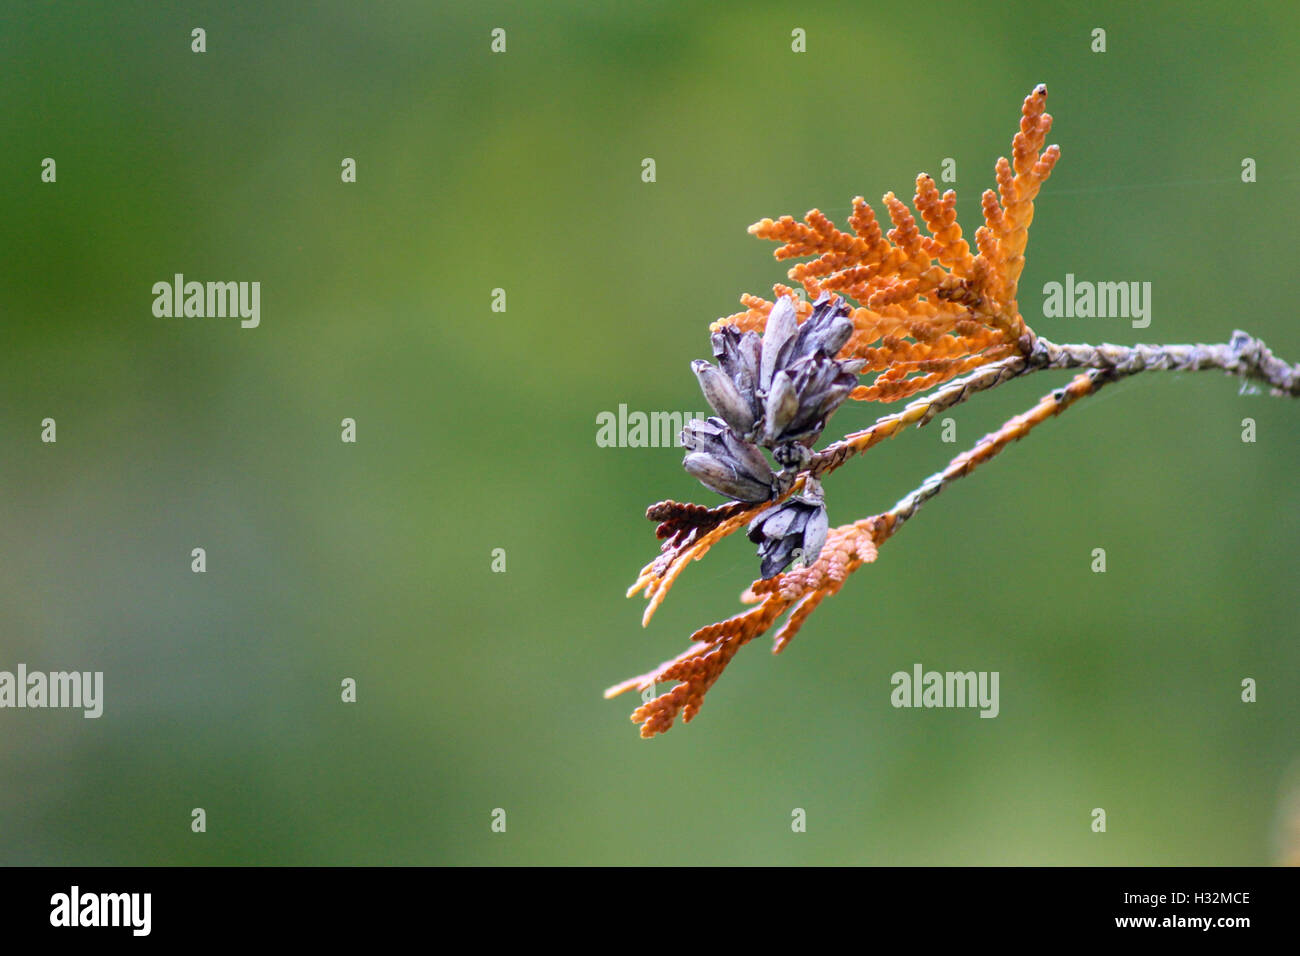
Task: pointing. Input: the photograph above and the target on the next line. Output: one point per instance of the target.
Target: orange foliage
(928, 309)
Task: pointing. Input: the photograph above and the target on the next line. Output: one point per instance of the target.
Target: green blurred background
(476, 430)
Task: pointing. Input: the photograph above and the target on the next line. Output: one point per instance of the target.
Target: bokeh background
(476, 430)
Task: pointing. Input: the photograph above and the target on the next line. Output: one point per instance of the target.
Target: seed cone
(795, 529)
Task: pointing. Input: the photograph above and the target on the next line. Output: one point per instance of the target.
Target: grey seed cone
(798, 525)
(725, 463)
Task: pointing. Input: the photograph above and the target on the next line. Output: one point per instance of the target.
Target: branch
(1243, 355)
(918, 412)
(1014, 429)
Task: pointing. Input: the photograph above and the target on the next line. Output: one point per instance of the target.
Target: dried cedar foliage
(906, 312)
